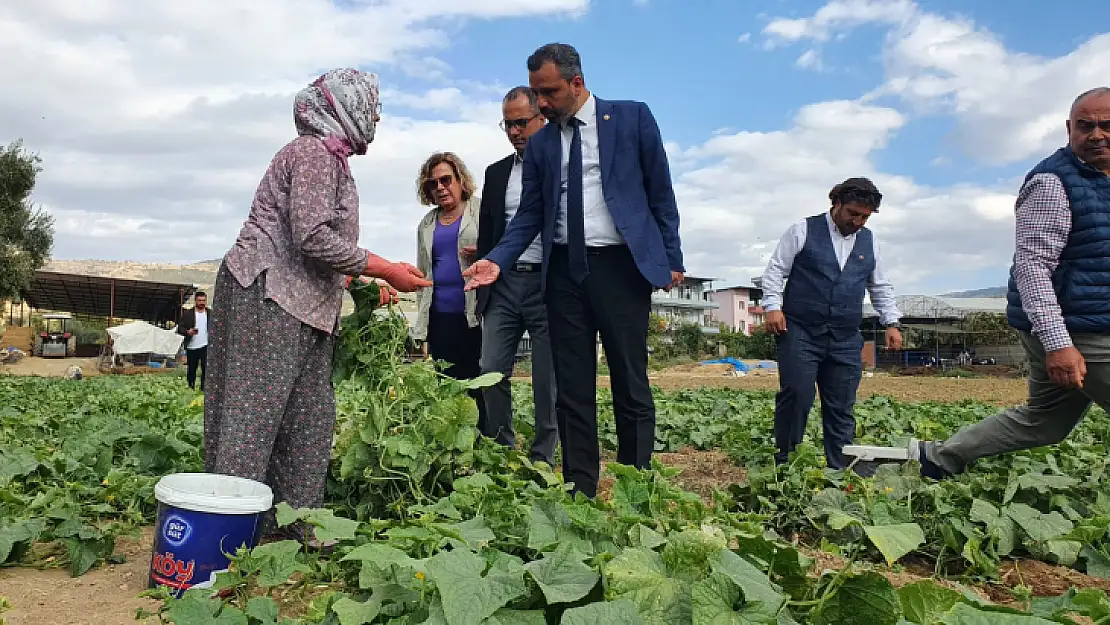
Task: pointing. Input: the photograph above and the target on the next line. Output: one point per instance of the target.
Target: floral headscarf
(339, 107)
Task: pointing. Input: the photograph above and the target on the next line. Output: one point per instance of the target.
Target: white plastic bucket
(200, 517)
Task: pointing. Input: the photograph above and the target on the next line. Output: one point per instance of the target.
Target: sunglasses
(432, 184)
(508, 124)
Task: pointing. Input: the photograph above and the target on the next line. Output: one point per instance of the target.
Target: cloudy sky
(155, 119)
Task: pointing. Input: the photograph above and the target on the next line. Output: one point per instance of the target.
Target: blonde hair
(461, 172)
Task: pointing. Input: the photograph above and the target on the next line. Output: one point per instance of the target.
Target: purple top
(447, 293)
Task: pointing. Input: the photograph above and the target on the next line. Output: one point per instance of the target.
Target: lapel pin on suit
(605, 117)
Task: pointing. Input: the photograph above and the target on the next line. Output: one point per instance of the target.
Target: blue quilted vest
(1082, 279)
(819, 295)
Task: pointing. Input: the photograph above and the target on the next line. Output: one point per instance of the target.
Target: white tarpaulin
(142, 338)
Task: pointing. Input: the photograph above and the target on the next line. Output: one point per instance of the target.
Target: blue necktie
(576, 229)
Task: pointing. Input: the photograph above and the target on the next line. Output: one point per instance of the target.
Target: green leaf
(475, 532)
(19, 533)
(470, 594)
(263, 609)
(866, 599)
(351, 612)
(964, 614)
(716, 601)
(482, 381)
(643, 536)
(382, 564)
(1088, 602)
(330, 527)
(620, 612)
(84, 554)
(195, 608)
(1037, 525)
(1098, 564)
(895, 541)
(926, 601)
(640, 576)
(15, 463)
(760, 595)
(562, 576)
(516, 617)
(286, 515)
(687, 553)
(550, 526)
(277, 562)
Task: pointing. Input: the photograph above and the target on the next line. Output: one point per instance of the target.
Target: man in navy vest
(829, 263)
(1058, 298)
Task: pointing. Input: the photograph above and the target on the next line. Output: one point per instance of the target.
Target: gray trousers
(516, 305)
(1050, 414)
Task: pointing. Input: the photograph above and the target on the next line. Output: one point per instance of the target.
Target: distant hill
(994, 291)
(202, 274)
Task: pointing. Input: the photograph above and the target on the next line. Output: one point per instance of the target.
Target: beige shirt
(425, 235)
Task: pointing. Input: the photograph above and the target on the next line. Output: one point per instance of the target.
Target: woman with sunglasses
(447, 238)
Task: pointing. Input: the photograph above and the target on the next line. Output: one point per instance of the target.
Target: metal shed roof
(107, 297)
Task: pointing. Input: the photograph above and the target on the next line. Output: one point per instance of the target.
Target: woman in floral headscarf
(269, 413)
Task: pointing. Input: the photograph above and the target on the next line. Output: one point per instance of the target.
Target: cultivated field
(434, 527)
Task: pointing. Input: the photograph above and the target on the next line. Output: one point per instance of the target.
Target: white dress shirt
(599, 227)
(782, 261)
(534, 253)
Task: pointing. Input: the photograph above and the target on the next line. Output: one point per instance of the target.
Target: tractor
(54, 340)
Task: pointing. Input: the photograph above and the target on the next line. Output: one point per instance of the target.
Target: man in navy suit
(597, 188)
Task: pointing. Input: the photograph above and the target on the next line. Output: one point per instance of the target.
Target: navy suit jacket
(635, 179)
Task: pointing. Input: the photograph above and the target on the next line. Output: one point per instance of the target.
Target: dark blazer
(491, 215)
(636, 181)
(189, 321)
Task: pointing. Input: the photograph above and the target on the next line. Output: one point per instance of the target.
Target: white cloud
(838, 14)
(744, 38)
(156, 121)
(810, 59)
(1010, 106)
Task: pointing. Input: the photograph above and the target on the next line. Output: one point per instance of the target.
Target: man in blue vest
(829, 262)
(1058, 298)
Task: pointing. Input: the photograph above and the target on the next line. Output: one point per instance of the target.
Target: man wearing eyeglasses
(828, 262)
(515, 303)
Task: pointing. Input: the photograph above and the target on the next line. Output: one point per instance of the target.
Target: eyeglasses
(432, 184)
(508, 124)
(1087, 126)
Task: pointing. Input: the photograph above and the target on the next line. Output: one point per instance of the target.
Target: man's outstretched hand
(482, 273)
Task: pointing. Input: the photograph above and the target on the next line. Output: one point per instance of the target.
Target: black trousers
(615, 302)
(450, 339)
(196, 358)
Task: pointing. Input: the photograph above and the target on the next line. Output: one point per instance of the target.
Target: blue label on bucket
(189, 546)
(176, 530)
